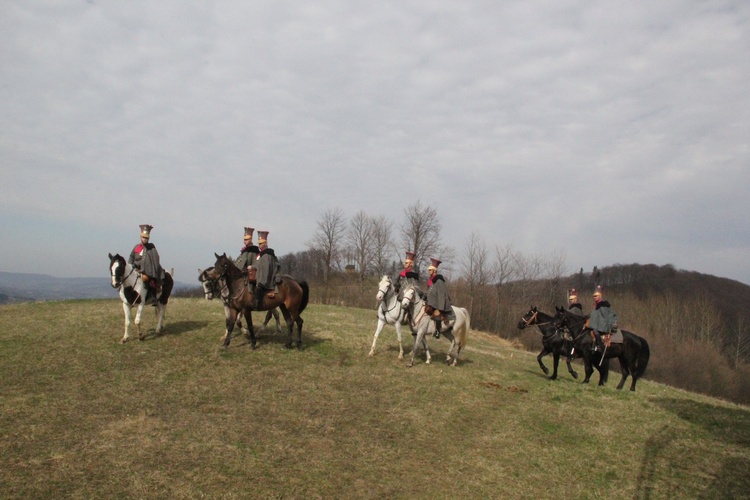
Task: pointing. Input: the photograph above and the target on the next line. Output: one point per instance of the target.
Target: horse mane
(233, 271)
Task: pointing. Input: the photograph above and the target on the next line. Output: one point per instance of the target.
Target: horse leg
(625, 372)
(379, 328)
(569, 362)
(397, 324)
(588, 368)
(417, 342)
(126, 310)
(229, 322)
(139, 311)
(289, 326)
(160, 310)
(299, 322)
(428, 357)
(452, 338)
(250, 329)
(542, 354)
(555, 364)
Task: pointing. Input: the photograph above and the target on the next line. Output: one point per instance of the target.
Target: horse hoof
(124, 340)
(409, 365)
(288, 345)
(401, 356)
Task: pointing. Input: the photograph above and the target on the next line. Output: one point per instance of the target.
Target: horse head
(383, 288)
(410, 294)
(206, 283)
(529, 319)
(116, 270)
(221, 267)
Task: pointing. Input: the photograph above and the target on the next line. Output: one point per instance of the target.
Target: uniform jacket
(247, 257)
(267, 267)
(437, 294)
(576, 309)
(602, 318)
(145, 258)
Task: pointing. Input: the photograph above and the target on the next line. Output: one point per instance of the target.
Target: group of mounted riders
(439, 305)
(258, 261)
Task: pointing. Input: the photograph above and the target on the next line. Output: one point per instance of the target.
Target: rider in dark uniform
(145, 259)
(602, 320)
(248, 253)
(439, 305)
(267, 269)
(407, 274)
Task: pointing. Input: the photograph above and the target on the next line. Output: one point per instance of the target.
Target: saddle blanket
(616, 337)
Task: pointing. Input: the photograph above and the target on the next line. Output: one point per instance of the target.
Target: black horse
(553, 341)
(633, 353)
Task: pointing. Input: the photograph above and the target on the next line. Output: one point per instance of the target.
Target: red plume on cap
(599, 290)
(572, 294)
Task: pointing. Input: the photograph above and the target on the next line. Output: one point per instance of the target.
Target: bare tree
(476, 267)
(328, 241)
(383, 246)
(741, 342)
(361, 245)
(421, 232)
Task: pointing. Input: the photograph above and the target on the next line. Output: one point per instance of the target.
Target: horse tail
(462, 342)
(643, 354)
(305, 295)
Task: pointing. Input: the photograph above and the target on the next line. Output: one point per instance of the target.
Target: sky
(605, 132)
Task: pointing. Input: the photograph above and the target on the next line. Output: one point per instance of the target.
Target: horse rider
(438, 301)
(266, 271)
(407, 274)
(247, 255)
(602, 320)
(573, 305)
(145, 259)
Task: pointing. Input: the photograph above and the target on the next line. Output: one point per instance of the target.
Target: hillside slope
(175, 416)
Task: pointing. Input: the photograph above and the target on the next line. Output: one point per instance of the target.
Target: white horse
(421, 322)
(390, 312)
(133, 294)
(218, 287)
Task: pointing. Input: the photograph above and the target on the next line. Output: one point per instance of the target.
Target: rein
(385, 299)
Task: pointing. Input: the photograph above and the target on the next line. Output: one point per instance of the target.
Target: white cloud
(615, 132)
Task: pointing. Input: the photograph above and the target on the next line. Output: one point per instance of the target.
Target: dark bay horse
(218, 288)
(633, 353)
(291, 298)
(553, 342)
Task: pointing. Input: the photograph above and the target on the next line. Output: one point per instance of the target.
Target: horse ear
(110, 256)
(217, 255)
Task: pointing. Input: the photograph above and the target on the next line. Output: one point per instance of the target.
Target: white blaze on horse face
(113, 273)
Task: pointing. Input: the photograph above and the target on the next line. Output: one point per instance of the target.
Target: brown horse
(291, 297)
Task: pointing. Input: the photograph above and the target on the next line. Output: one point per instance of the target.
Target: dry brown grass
(176, 417)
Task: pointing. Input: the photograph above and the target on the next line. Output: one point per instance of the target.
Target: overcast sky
(608, 132)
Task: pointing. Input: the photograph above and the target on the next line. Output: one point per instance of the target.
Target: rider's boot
(438, 327)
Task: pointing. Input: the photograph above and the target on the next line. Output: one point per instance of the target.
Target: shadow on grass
(176, 328)
(270, 336)
(726, 425)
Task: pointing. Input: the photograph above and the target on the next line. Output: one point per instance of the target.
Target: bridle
(119, 282)
(385, 294)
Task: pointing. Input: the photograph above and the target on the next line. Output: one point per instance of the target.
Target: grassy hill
(174, 416)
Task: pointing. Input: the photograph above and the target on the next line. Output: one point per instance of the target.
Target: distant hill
(24, 287)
